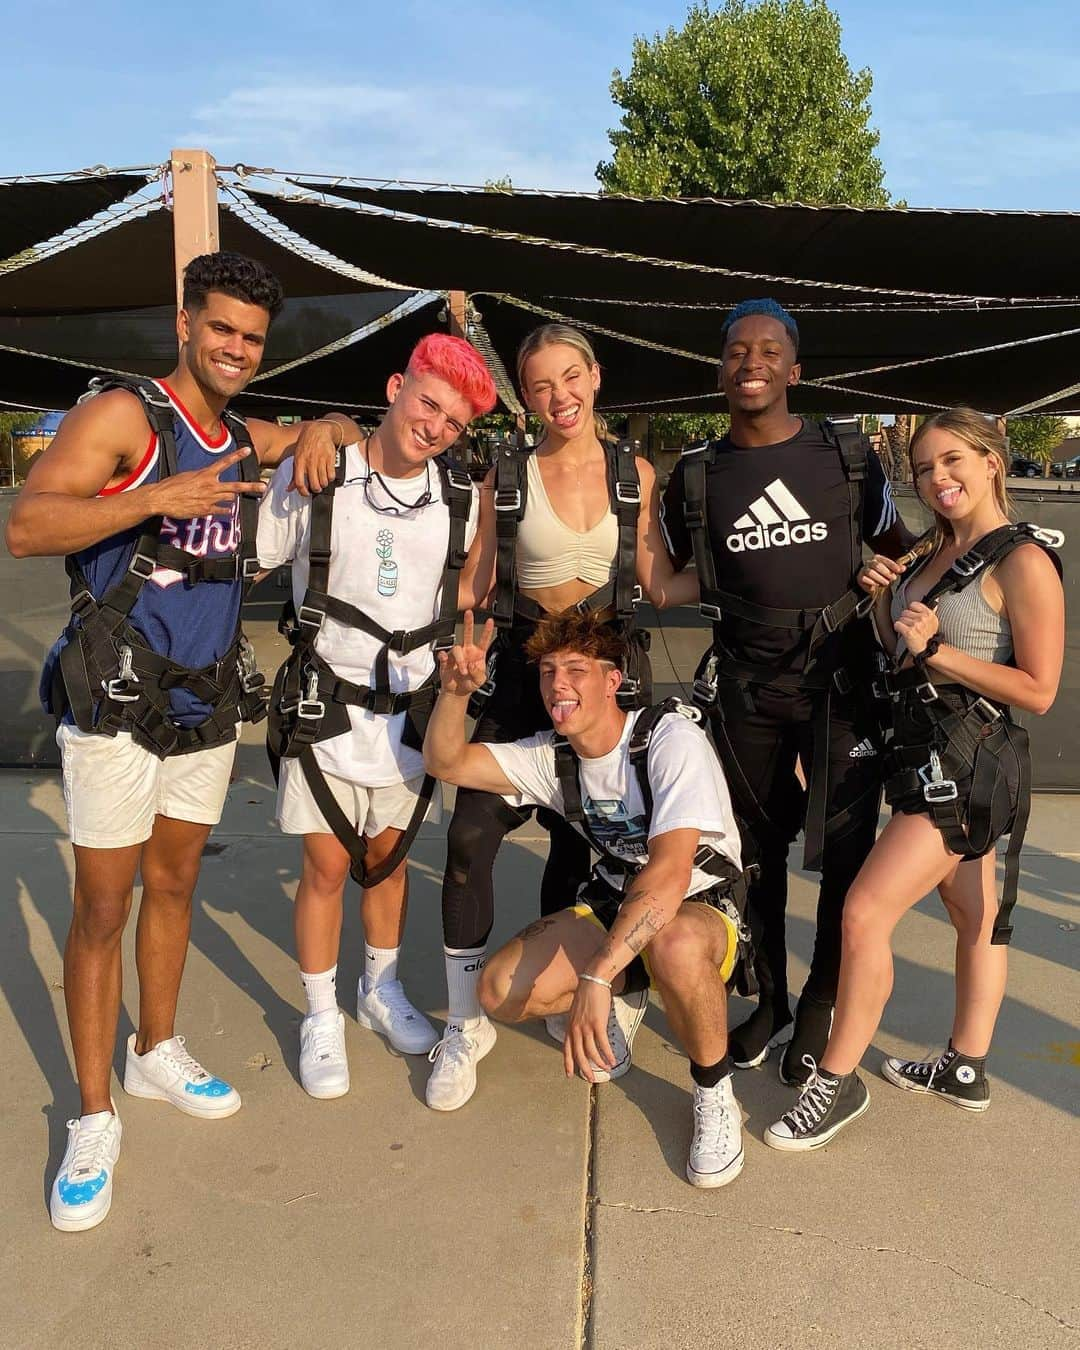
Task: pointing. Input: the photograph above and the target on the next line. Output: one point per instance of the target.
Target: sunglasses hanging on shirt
(390, 504)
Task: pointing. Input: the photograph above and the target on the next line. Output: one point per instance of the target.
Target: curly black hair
(232, 274)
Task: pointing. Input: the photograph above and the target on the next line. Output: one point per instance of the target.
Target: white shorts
(371, 809)
(114, 788)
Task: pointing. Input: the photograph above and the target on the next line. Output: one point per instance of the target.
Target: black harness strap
(968, 734)
(621, 593)
(311, 699)
(107, 675)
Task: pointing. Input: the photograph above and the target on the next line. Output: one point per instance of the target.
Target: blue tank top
(193, 625)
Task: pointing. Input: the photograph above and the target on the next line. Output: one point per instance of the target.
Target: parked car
(1067, 468)
(1025, 468)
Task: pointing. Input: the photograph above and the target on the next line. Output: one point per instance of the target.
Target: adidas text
(777, 536)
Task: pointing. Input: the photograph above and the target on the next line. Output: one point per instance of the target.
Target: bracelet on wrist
(330, 422)
(595, 979)
(931, 649)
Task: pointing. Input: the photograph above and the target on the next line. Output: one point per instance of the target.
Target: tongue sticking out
(561, 711)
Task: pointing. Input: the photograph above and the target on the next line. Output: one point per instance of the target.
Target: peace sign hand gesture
(463, 669)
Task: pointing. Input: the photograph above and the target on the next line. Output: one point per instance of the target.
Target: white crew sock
(463, 967)
(320, 991)
(380, 966)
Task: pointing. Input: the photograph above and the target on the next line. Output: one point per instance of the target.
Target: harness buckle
(311, 617)
(249, 569)
(119, 688)
(937, 789)
(865, 605)
(987, 709)
(82, 604)
(508, 499)
(251, 677)
(637, 595)
(842, 681)
(311, 708)
(443, 642)
(926, 692)
(142, 566)
(458, 478)
(628, 494)
(629, 687)
(713, 612)
(1051, 538)
(968, 564)
(829, 620)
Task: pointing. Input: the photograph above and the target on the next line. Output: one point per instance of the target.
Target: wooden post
(195, 210)
(456, 309)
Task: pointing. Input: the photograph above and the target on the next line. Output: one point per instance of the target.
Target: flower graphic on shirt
(388, 573)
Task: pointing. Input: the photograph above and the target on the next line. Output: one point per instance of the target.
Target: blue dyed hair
(770, 309)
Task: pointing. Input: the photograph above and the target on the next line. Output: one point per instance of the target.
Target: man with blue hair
(775, 515)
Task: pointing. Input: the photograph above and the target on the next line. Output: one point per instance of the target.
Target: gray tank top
(966, 621)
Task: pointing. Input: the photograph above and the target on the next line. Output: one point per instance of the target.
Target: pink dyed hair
(458, 363)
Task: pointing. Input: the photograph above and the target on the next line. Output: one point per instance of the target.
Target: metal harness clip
(507, 499)
(310, 707)
(937, 789)
(119, 688)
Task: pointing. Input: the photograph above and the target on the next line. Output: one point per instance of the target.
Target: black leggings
(482, 820)
(758, 750)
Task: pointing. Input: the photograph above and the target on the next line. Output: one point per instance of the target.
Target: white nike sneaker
(167, 1073)
(82, 1192)
(453, 1079)
(716, 1151)
(555, 1026)
(324, 1069)
(387, 1010)
(627, 1012)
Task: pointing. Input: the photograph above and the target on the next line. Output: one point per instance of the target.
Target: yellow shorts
(731, 951)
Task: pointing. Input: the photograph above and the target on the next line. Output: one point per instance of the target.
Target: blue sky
(977, 104)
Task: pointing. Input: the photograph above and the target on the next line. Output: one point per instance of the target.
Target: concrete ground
(545, 1215)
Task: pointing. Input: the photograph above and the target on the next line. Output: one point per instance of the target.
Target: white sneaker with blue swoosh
(168, 1073)
(82, 1192)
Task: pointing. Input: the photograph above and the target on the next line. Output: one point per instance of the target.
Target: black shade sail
(31, 212)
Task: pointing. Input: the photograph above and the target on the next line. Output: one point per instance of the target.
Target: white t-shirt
(389, 566)
(688, 785)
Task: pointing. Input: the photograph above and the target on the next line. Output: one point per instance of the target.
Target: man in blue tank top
(786, 504)
(156, 519)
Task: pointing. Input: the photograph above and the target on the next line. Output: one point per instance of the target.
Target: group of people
(418, 598)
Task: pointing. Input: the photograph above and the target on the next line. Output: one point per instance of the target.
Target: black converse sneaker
(813, 1023)
(955, 1077)
(826, 1105)
(749, 1044)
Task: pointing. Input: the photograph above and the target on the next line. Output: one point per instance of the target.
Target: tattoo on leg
(535, 928)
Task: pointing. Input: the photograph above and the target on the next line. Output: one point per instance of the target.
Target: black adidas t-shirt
(779, 525)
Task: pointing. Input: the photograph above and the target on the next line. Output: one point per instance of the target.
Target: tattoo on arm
(644, 930)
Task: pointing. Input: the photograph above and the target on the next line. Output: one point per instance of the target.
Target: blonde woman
(572, 525)
(976, 629)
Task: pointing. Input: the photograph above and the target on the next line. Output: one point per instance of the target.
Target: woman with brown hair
(574, 524)
(975, 630)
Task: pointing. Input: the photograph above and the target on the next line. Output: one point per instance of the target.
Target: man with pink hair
(378, 580)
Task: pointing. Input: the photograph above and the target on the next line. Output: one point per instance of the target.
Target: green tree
(748, 100)
(686, 428)
(1036, 437)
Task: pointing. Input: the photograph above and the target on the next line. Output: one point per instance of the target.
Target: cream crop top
(550, 553)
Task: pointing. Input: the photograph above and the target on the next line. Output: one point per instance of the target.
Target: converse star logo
(864, 750)
(775, 520)
(965, 1074)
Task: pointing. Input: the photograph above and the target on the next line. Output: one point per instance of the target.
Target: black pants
(482, 820)
(758, 748)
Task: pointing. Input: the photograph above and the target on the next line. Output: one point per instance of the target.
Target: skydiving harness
(957, 755)
(621, 594)
(731, 882)
(310, 702)
(107, 675)
(721, 674)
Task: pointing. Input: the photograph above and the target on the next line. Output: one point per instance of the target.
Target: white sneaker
(453, 1079)
(167, 1073)
(555, 1026)
(387, 1010)
(716, 1151)
(627, 1012)
(324, 1069)
(82, 1192)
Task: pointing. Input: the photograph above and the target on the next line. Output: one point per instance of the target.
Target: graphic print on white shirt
(389, 566)
(688, 785)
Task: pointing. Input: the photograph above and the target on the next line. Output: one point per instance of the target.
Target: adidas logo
(863, 750)
(774, 520)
